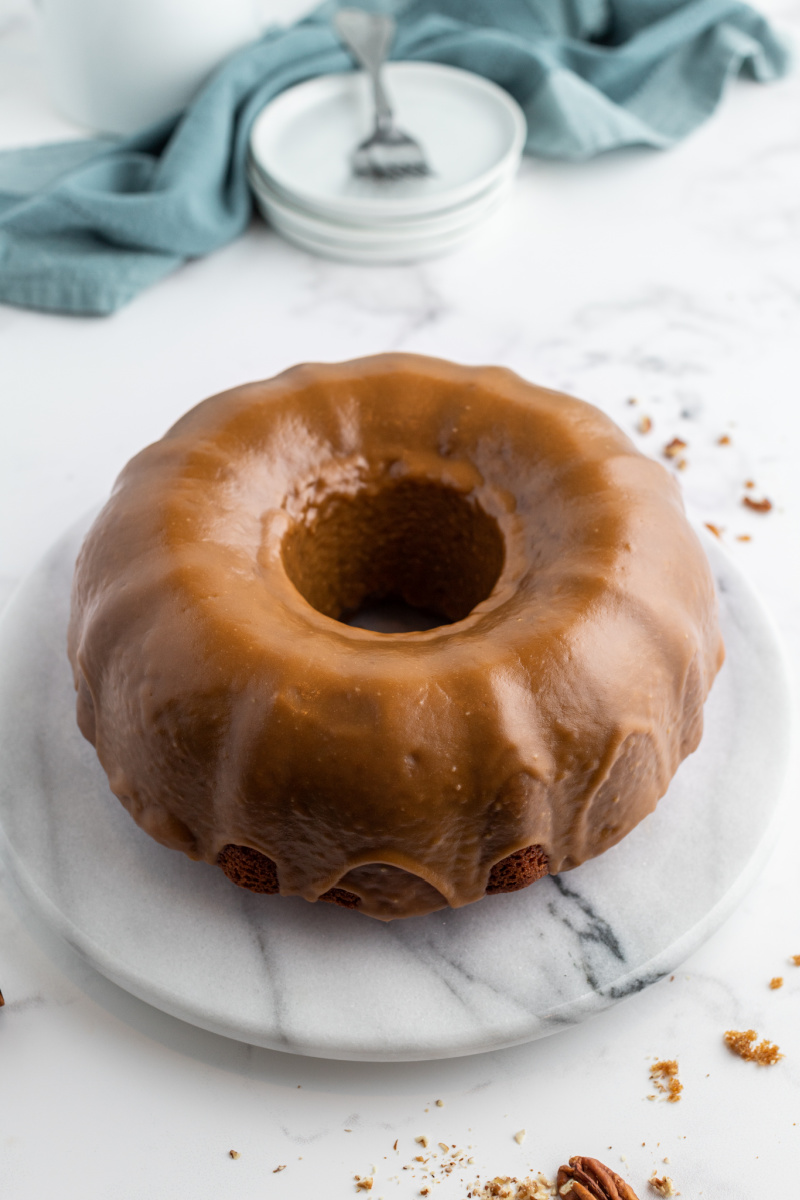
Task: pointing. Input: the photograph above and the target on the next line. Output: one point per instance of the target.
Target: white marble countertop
(671, 278)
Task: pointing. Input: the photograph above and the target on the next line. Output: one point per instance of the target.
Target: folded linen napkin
(85, 226)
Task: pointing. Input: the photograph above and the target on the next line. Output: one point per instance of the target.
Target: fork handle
(369, 36)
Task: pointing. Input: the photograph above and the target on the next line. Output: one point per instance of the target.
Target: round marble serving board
(318, 980)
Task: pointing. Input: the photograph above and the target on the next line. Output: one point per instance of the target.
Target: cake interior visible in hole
(408, 553)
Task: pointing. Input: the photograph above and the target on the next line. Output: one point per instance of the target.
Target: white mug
(117, 66)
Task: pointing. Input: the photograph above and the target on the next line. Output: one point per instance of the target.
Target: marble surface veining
(674, 279)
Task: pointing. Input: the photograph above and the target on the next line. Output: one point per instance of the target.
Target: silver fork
(388, 152)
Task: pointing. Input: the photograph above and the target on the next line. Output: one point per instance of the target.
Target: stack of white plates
(300, 170)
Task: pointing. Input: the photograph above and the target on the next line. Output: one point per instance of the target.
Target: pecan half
(588, 1179)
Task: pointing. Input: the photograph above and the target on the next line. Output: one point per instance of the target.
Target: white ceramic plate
(390, 223)
(409, 250)
(314, 979)
(368, 245)
(472, 132)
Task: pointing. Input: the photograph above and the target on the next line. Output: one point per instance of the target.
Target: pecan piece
(588, 1179)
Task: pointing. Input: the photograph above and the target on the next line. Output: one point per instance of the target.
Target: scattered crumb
(424, 1191)
(234, 1153)
(682, 464)
(724, 440)
(443, 1146)
(394, 1147)
(776, 982)
(519, 1136)
(749, 483)
(644, 425)
(766, 1054)
(795, 958)
(674, 448)
(504, 1187)
(422, 1141)
(743, 537)
(365, 1184)
(717, 532)
(2, 1001)
(664, 1075)
(282, 1167)
(663, 1185)
(440, 1103)
(632, 400)
(759, 506)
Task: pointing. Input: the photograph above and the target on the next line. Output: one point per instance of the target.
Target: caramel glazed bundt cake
(240, 720)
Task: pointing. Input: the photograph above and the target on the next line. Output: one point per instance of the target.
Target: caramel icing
(230, 706)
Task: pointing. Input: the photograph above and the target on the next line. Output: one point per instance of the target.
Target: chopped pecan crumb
(664, 1076)
(749, 483)
(743, 537)
(766, 1054)
(715, 529)
(644, 425)
(759, 506)
(632, 400)
(674, 448)
(440, 1103)
(796, 959)
(2, 1001)
(506, 1187)
(365, 1184)
(663, 1185)
(776, 982)
(234, 1153)
(519, 1136)
(394, 1147)
(422, 1141)
(591, 1180)
(282, 1167)
(724, 440)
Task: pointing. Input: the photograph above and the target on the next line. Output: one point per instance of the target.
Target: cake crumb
(519, 1136)
(663, 1185)
(644, 425)
(664, 1075)
(725, 440)
(506, 1187)
(674, 448)
(717, 532)
(760, 506)
(776, 982)
(234, 1154)
(765, 1054)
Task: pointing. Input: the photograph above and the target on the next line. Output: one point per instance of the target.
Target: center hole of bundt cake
(409, 555)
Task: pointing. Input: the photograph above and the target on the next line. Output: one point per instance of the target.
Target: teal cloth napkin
(85, 226)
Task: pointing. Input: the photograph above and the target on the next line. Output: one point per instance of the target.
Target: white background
(674, 278)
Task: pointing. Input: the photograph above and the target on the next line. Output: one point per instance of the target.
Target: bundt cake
(242, 720)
